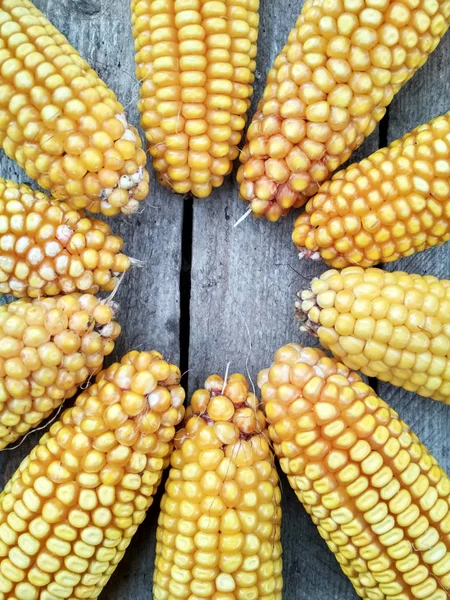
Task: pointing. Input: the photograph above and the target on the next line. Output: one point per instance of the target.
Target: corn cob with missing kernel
(393, 326)
(59, 120)
(48, 348)
(47, 248)
(331, 84)
(219, 527)
(196, 60)
(392, 204)
(379, 499)
(69, 512)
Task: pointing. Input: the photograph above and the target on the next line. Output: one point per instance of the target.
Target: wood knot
(88, 8)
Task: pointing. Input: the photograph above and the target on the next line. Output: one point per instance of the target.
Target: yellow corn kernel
(47, 248)
(380, 526)
(389, 205)
(399, 325)
(61, 122)
(219, 527)
(196, 63)
(327, 90)
(78, 534)
(49, 347)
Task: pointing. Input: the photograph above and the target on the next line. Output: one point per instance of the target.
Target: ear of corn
(379, 499)
(196, 61)
(341, 66)
(69, 512)
(392, 204)
(47, 248)
(393, 326)
(219, 528)
(48, 348)
(59, 120)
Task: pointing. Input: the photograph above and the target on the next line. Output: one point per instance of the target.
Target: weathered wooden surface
(241, 285)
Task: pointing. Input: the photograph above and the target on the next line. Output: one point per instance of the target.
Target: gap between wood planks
(383, 141)
(185, 287)
(186, 269)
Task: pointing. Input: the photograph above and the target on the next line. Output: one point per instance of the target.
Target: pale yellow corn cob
(48, 348)
(69, 512)
(341, 66)
(379, 499)
(196, 60)
(391, 204)
(393, 326)
(47, 248)
(59, 120)
(219, 527)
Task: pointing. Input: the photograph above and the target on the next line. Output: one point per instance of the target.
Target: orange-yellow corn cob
(379, 499)
(195, 59)
(219, 527)
(392, 204)
(59, 120)
(393, 326)
(47, 248)
(69, 512)
(48, 348)
(341, 66)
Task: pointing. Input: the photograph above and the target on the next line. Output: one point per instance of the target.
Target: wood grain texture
(243, 280)
(149, 296)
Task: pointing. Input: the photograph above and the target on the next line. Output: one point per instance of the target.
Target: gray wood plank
(424, 97)
(149, 296)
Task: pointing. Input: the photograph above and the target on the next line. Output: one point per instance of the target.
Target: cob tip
(135, 184)
(388, 325)
(267, 198)
(152, 402)
(307, 311)
(48, 348)
(359, 217)
(303, 238)
(49, 248)
(227, 400)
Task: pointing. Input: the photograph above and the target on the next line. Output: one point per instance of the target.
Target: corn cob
(59, 120)
(393, 326)
(379, 499)
(218, 532)
(48, 348)
(196, 60)
(392, 204)
(46, 248)
(69, 512)
(340, 68)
